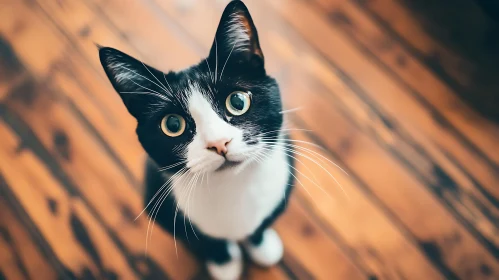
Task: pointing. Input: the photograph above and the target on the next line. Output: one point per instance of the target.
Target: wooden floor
(378, 92)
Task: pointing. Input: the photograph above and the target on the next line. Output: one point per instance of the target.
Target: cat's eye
(238, 103)
(173, 125)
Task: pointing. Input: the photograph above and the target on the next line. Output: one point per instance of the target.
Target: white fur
(209, 128)
(228, 204)
(269, 252)
(122, 74)
(231, 270)
(237, 34)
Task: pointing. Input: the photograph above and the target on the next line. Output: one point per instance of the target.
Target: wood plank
(383, 134)
(99, 30)
(170, 50)
(266, 274)
(9, 268)
(89, 173)
(402, 64)
(18, 251)
(432, 225)
(398, 256)
(123, 145)
(486, 190)
(51, 210)
(311, 246)
(380, 90)
(11, 69)
(13, 28)
(138, 232)
(80, 28)
(104, 108)
(430, 38)
(426, 159)
(410, 30)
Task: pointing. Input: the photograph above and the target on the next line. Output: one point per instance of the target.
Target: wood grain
(20, 252)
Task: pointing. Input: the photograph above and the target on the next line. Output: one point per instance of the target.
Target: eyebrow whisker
(162, 86)
(144, 78)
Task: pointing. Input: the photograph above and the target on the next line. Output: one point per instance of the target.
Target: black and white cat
(217, 152)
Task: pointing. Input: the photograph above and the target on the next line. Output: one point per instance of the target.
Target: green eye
(173, 125)
(238, 103)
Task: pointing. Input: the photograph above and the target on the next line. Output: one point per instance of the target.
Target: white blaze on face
(210, 128)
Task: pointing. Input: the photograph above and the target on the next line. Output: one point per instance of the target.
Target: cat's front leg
(265, 247)
(223, 258)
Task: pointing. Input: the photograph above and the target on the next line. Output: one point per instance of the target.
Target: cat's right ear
(236, 38)
(139, 86)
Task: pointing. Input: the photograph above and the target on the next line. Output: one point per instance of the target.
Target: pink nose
(219, 146)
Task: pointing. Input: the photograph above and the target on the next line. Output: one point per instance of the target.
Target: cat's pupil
(237, 101)
(173, 124)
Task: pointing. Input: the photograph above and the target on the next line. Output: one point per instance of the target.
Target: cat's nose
(219, 146)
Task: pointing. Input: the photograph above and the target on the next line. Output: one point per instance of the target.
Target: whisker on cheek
(290, 110)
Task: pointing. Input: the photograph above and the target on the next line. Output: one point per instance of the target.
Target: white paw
(269, 252)
(231, 270)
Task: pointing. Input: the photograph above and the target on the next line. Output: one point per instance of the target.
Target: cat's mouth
(228, 164)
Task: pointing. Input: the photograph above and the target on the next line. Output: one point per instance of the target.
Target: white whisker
(158, 204)
(171, 166)
(162, 86)
(290, 110)
(157, 192)
(185, 189)
(298, 160)
(323, 168)
(151, 200)
(221, 73)
(171, 90)
(147, 93)
(282, 130)
(142, 77)
(174, 229)
(146, 88)
(294, 140)
(188, 204)
(209, 71)
(174, 184)
(187, 192)
(311, 151)
(311, 197)
(289, 151)
(216, 60)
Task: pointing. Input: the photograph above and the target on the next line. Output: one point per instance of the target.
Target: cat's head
(217, 114)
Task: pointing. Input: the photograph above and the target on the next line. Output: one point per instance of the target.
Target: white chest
(231, 206)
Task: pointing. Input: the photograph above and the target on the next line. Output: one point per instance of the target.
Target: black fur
(243, 69)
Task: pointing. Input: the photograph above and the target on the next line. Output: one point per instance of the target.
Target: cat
(217, 152)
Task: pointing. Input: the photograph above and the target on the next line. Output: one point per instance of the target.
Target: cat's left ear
(236, 37)
(141, 87)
